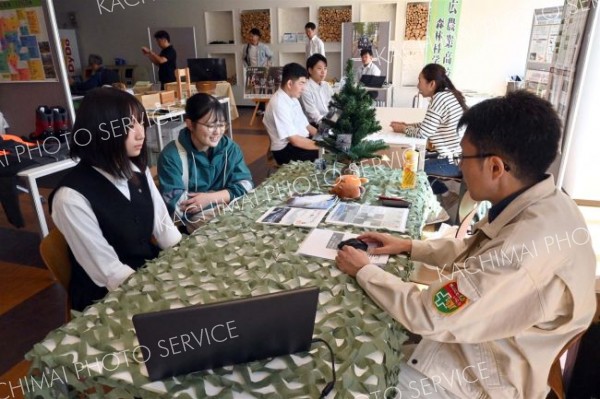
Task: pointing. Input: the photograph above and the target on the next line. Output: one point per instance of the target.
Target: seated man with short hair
(508, 298)
(286, 124)
(100, 76)
(317, 93)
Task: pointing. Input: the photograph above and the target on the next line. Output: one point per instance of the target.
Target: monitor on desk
(207, 69)
(201, 337)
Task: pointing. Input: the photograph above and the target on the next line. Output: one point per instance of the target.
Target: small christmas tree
(356, 121)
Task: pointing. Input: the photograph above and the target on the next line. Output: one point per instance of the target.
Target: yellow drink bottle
(410, 159)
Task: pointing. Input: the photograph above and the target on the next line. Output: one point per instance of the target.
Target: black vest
(126, 224)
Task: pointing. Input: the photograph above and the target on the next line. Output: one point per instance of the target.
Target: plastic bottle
(409, 169)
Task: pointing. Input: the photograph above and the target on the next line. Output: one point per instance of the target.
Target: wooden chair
(183, 73)
(55, 254)
(556, 378)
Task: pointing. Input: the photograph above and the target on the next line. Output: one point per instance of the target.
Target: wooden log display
(330, 22)
(416, 21)
(260, 19)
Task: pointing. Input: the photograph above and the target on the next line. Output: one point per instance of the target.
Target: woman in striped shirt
(440, 124)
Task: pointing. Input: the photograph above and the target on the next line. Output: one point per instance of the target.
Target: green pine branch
(357, 118)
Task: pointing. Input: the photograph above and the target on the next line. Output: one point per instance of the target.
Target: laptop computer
(372, 80)
(201, 337)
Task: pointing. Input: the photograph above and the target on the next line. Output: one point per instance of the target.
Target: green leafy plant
(356, 118)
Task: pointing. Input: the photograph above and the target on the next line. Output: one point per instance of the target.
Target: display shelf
(231, 64)
(292, 20)
(331, 20)
(219, 27)
(260, 19)
(379, 13)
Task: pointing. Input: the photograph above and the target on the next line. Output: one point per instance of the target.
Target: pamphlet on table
(369, 216)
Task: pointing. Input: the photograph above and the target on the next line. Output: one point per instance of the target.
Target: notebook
(372, 80)
(201, 337)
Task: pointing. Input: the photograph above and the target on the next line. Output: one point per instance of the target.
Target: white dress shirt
(369, 69)
(74, 217)
(314, 46)
(284, 118)
(315, 100)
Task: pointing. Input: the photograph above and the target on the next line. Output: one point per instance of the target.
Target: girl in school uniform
(107, 207)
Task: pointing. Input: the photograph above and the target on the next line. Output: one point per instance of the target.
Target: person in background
(166, 60)
(368, 68)
(107, 207)
(317, 92)
(214, 172)
(513, 294)
(3, 125)
(100, 76)
(314, 45)
(257, 54)
(439, 126)
(288, 128)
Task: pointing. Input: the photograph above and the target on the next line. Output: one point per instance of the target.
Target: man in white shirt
(314, 45)
(368, 68)
(289, 130)
(317, 93)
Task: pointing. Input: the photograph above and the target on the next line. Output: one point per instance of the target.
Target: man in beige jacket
(510, 296)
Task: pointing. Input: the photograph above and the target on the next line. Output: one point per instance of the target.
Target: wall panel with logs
(331, 20)
(260, 19)
(416, 21)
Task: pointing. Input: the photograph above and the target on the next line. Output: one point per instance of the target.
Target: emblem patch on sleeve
(449, 299)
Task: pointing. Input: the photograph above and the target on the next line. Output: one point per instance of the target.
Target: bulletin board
(261, 82)
(374, 36)
(25, 52)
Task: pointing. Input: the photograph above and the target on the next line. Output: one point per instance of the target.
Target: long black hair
(104, 119)
(437, 73)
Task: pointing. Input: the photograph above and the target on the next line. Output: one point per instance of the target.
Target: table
(398, 142)
(232, 256)
(31, 175)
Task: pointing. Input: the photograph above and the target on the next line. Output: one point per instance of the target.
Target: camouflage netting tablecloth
(233, 256)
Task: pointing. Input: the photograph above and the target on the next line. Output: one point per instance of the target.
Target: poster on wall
(375, 36)
(442, 32)
(261, 82)
(68, 41)
(25, 54)
(545, 29)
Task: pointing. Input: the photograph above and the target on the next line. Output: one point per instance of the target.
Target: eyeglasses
(212, 127)
(458, 158)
